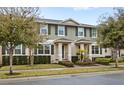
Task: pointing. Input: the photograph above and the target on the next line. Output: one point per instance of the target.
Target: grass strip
(20, 74)
(28, 67)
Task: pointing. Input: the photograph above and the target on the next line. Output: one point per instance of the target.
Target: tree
(31, 43)
(16, 24)
(111, 32)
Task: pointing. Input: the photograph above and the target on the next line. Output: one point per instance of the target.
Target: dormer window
(61, 30)
(80, 32)
(44, 30)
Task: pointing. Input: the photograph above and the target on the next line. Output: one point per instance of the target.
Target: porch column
(0, 55)
(90, 51)
(60, 51)
(27, 51)
(69, 52)
(82, 47)
(55, 53)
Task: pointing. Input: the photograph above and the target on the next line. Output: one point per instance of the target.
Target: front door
(63, 53)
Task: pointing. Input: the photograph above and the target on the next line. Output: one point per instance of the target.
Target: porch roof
(62, 40)
(85, 41)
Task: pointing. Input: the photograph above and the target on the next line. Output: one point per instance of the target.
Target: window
(100, 50)
(80, 31)
(95, 50)
(44, 49)
(94, 33)
(61, 30)
(47, 49)
(52, 49)
(40, 49)
(18, 49)
(44, 30)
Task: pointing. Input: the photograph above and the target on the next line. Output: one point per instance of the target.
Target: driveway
(99, 78)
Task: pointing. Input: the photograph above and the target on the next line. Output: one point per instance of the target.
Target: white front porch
(62, 51)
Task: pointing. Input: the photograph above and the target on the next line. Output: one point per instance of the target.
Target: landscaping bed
(84, 63)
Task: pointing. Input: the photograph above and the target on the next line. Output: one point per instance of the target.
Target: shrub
(66, 63)
(42, 59)
(104, 61)
(23, 60)
(17, 60)
(84, 63)
(120, 59)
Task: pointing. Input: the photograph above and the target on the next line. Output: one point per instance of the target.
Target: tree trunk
(11, 60)
(31, 58)
(117, 56)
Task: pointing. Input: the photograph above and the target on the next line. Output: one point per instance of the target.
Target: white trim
(63, 30)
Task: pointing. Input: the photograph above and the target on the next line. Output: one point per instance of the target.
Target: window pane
(18, 47)
(52, 49)
(92, 49)
(44, 30)
(47, 52)
(40, 49)
(95, 50)
(80, 31)
(47, 49)
(61, 30)
(7, 51)
(94, 33)
(100, 50)
(17, 51)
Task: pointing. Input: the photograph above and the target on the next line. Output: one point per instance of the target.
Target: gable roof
(63, 22)
(83, 41)
(70, 19)
(64, 40)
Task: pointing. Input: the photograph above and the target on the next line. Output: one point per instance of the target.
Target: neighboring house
(64, 39)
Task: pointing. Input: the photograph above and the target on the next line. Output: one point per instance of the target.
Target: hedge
(66, 63)
(42, 59)
(23, 60)
(104, 61)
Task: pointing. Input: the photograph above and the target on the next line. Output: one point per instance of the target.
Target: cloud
(82, 8)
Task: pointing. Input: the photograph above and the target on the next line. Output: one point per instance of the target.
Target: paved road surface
(99, 78)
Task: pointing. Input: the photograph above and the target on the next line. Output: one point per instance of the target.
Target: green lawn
(27, 67)
(4, 75)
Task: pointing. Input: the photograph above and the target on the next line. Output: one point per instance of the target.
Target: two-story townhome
(64, 39)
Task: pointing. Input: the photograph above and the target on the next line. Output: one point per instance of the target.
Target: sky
(87, 15)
